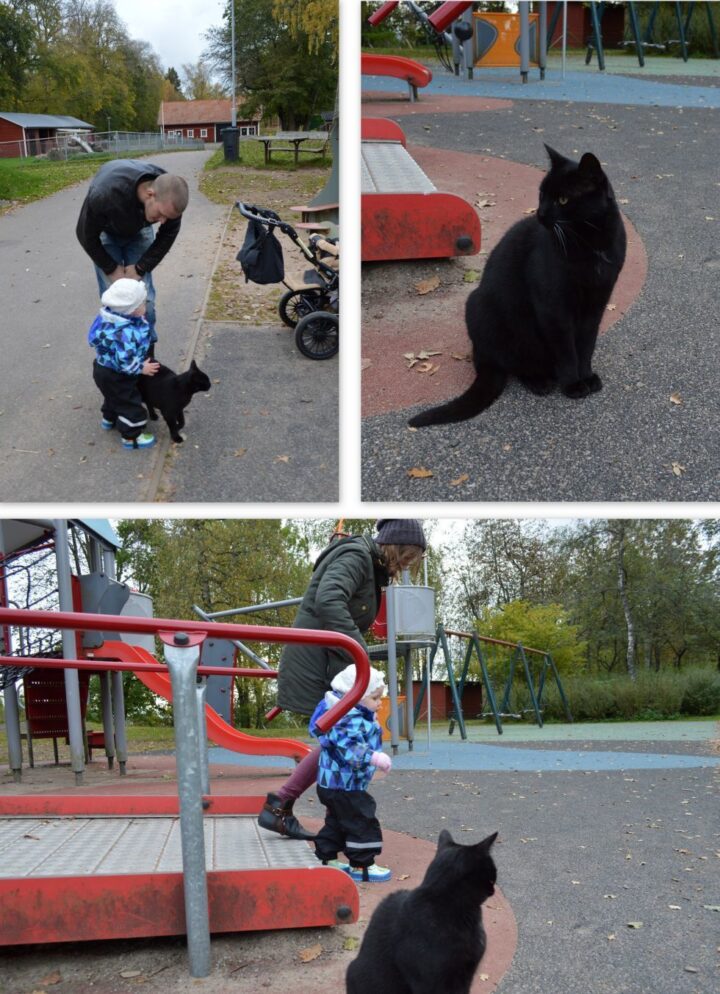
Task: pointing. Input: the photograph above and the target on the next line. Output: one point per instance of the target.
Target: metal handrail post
(108, 722)
(524, 8)
(392, 668)
(200, 702)
(182, 655)
(72, 681)
(117, 691)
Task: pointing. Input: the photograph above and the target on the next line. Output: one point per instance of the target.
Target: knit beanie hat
(124, 296)
(400, 531)
(345, 680)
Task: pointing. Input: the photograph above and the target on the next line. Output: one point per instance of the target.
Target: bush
(651, 697)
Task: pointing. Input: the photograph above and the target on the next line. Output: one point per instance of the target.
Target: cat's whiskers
(557, 229)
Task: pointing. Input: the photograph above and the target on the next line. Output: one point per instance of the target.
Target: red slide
(218, 730)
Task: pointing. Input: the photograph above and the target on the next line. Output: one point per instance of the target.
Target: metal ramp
(404, 216)
(113, 872)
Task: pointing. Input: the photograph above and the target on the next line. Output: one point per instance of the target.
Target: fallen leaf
(461, 479)
(404, 876)
(471, 276)
(281, 459)
(675, 398)
(52, 978)
(419, 472)
(352, 942)
(408, 355)
(711, 907)
(365, 364)
(484, 976)
(485, 203)
(425, 354)
(611, 307)
(427, 286)
(239, 453)
(674, 907)
(678, 469)
(530, 210)
(624, 201)
(127, 974)
(691, 969)
(635, 924)
(507, 448)
(311, 953)
(466, 357)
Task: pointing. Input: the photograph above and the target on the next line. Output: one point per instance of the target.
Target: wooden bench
(404, 216)
(397, 66)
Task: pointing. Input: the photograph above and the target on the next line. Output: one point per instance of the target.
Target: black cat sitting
(536, 311)
(171, 393)
(429, 940)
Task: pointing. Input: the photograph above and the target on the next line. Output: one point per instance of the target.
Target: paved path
(51, 444)
(631, 441)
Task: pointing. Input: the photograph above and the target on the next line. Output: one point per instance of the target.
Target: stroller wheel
(296, 304)
(316, 335)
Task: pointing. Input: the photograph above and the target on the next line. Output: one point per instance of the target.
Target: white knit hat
(124, 296)
(345, 680)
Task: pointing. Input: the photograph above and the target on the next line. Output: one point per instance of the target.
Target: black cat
(171, 393)
(536, 311)
(431, 939)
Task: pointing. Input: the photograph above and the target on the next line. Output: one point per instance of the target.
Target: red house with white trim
(204, 119)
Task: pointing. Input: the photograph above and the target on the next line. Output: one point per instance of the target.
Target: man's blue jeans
(126, 252)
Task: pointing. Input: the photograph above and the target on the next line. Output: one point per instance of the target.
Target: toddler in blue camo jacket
(351, 752)
(122, 340)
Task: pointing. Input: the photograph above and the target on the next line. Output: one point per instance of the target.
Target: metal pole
(543, 38)
(564, 37)
(392, 667)
(12, 709)
(72, 682)
(232, 63)
(201, 701)
(182, 658)
(116, 687)
(107, 713)
(524, 7)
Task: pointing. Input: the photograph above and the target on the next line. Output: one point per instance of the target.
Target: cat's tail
(484, 391)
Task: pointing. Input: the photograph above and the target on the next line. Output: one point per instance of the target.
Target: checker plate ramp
(387, 167)
(66, 879)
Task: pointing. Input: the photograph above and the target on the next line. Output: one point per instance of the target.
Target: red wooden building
(204, 119)
(22, 135)
(442, 702)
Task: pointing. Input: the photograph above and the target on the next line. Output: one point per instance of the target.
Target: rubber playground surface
(608, 862)
(653, 433)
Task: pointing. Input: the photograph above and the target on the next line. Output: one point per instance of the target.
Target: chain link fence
(63, 146)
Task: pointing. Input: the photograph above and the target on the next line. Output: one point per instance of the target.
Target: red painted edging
(81, 805)
(75, 909)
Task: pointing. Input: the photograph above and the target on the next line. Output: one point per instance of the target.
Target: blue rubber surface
(577, 87)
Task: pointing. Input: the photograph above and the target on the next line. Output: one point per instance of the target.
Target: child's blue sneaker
(143, 441)
(107, 425)
(337, 864)
(370, 874)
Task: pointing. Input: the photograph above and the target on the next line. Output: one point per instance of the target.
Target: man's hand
(116, 274)
(131, 273)
(150, 367)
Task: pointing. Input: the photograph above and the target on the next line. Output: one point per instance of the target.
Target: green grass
(252, 154)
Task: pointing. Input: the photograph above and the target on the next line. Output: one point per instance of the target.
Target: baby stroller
(311, 308)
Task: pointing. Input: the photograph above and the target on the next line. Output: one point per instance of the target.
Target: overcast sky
(174, 28)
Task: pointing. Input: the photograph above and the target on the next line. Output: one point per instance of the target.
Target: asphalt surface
(51, 444)
(629, 442)
(613, 874)
(268, 428)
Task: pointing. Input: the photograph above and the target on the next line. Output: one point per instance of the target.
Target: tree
(317, 21)
(173, 79)
(17, 41)
(277, 75)
(198, 83)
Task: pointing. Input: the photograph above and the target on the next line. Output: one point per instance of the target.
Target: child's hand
(150, 367)
(382, 761)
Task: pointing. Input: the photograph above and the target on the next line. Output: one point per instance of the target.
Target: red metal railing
(79, 621)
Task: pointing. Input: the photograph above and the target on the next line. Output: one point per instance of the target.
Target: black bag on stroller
(261, 256)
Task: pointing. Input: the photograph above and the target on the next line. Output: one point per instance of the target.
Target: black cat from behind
(429, 940)
(171, 393)
(536, 312)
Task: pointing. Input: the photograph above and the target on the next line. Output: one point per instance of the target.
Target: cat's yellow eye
(562, 201)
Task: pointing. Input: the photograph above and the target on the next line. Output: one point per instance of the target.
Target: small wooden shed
(23, 135)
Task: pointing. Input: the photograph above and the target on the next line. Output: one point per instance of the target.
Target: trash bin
(231, 144)
(383, 717)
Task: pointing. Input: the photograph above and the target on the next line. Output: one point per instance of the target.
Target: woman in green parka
(343, 596)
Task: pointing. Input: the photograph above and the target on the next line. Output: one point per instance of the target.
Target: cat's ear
(445, 839)
(193, 364)
(555, 158)
(486, 844)
(590, 165)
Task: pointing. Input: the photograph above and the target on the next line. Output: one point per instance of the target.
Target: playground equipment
(49, 900)
(404, 216)
(311, 308)
(414, 74)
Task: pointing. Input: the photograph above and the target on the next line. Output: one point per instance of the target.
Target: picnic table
(290, 141)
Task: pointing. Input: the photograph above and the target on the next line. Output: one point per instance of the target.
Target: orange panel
(497, 40)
